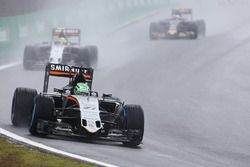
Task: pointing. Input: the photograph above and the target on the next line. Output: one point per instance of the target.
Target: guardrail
(231, 2)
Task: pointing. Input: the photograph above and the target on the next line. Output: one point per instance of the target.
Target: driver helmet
(62, 38)
(81, 89)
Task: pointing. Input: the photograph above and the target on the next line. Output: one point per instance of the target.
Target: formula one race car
(180, 25)
(64, 48)
(71, 112)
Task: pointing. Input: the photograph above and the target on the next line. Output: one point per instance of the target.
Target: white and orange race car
(64, 48)
(71, 113)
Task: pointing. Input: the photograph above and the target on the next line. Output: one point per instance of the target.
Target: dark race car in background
(180, 25)
(64, 48)
(85, 115)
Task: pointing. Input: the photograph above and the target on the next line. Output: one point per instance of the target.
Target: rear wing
(181, 11)
(66, 31)
(60, 70)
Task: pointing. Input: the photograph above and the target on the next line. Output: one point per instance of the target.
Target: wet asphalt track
(195, 94)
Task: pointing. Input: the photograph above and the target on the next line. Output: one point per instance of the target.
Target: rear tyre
(66, 58)
(134, 121)
(201, 24)
(194, 29)
(153, 27)
(43, 110)
(93, 58)
(83, 57)
(29, 57)
(22, 104)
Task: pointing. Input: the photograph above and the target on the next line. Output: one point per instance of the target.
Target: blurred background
(30, 21)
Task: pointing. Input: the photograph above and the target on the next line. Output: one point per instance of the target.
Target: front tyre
(194, 29)
(153, 28)
(134, 124)
(43, 110)
(22, 104)
(29, 57)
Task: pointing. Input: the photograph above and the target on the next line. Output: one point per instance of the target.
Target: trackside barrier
(233, 2)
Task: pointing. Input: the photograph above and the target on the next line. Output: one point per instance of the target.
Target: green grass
(15, 155)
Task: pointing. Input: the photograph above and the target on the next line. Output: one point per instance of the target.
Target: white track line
(51, 149)
(3, 67)
(136, 20)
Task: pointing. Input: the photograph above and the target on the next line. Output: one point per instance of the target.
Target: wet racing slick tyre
(182, 27)
(93, 55)
(194, 28)
(201, 24)
(153, 28)
(22, 104)
(66, 58)
(134, 121)
(29, 57)
(83, 57)
(43, 110)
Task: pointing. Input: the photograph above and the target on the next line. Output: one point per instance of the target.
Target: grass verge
(16, 155)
